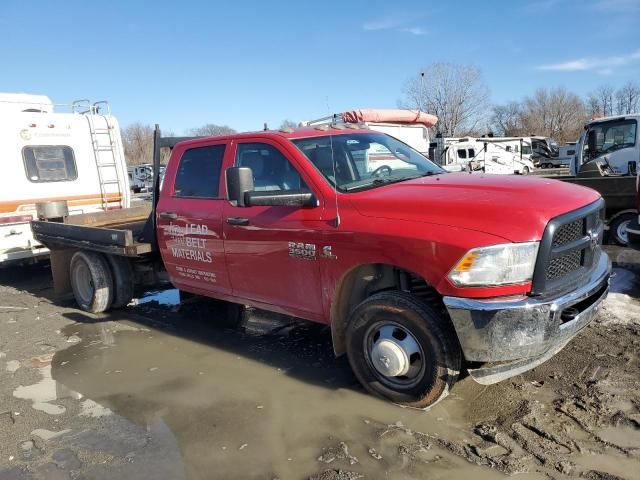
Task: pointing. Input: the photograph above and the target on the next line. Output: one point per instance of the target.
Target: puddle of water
(611, 463)
(623, 280)
(163, 297)
(622, 435)
(285, 400)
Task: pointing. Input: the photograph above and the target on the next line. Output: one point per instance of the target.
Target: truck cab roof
(287, 133)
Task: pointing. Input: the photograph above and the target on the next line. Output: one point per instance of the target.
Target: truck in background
(607, 157)
(55, 152)
(418, 272)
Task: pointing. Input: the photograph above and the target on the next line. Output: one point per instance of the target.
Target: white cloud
(602, 65)
(398, 22)
(415, 30)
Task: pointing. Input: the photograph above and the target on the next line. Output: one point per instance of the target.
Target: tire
(618, 228)
(91, 281)
(432, 348)
(122, 274)
(526, 171)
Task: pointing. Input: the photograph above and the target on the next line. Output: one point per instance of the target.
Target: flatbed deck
(115, 232)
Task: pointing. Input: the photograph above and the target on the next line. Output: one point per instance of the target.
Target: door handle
(243, 222)
(168, 215)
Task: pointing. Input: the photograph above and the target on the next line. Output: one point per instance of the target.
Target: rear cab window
(49, 163)
(199, 171)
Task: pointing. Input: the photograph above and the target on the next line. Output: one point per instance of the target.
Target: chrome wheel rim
(394, 355)
(622, 231)
(84, 282)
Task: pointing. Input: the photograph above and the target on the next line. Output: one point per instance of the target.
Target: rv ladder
(102, 140)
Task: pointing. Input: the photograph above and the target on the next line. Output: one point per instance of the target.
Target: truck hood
(513, 207)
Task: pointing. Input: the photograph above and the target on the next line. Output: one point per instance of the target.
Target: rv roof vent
(322, 127)
(351, 125)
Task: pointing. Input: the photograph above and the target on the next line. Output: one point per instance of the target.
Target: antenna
(333, 164)
(421, 94)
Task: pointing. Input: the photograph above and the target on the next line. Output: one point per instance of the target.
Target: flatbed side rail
(101, 239)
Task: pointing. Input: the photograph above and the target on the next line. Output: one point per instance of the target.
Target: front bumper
(522, 333)
(633, 231)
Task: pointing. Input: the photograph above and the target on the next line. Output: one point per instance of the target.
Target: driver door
(272, 251)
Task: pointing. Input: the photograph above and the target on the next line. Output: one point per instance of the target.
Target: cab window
(271, 170)
(199, 172)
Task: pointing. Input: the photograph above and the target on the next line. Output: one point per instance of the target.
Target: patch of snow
(93, 409)
(46, 435)
(620, 308)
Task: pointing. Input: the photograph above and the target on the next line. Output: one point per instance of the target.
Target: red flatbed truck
(419, 272)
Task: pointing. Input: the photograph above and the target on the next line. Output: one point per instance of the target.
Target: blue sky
(183, 64)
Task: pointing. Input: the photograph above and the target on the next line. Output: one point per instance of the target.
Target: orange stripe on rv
(74, 201)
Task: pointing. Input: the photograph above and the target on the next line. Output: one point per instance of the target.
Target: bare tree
(600, 101)
(211, 130)
(456, 94)
(555, 113)
(288, 124)
(506, 120)
(627, 98)
(137, 140)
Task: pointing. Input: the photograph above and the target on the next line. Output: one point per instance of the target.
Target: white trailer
(55, 152)
(482, 154)
(408, 126)
(140, 177)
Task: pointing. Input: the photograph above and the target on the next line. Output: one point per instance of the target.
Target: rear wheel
(122, 280)
(525, 171)
(403, 349)
(618, 228)
(91, 281)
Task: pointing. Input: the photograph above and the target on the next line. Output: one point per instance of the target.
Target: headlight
(496, 265)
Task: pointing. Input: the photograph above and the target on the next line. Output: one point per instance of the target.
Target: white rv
(55, 152)
(481, 154)
(140, 177)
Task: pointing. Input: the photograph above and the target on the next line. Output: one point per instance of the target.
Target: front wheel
(525, 171)
(403, 349)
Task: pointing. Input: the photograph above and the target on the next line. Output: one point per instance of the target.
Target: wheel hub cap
(389, 358)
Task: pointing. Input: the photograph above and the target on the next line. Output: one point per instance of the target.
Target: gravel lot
(165, 390)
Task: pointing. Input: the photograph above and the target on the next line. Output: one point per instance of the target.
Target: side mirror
(591, 143)
(633, 168)
(279, 198)
(239, 182)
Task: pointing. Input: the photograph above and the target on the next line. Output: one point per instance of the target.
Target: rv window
(462, 153)
(472, 153)
(508, 148)
(50, 163)
(199, 172)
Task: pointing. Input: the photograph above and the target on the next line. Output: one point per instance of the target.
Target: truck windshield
(614, 135)
(358, 161)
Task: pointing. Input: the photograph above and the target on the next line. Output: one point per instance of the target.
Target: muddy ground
(166, 391)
